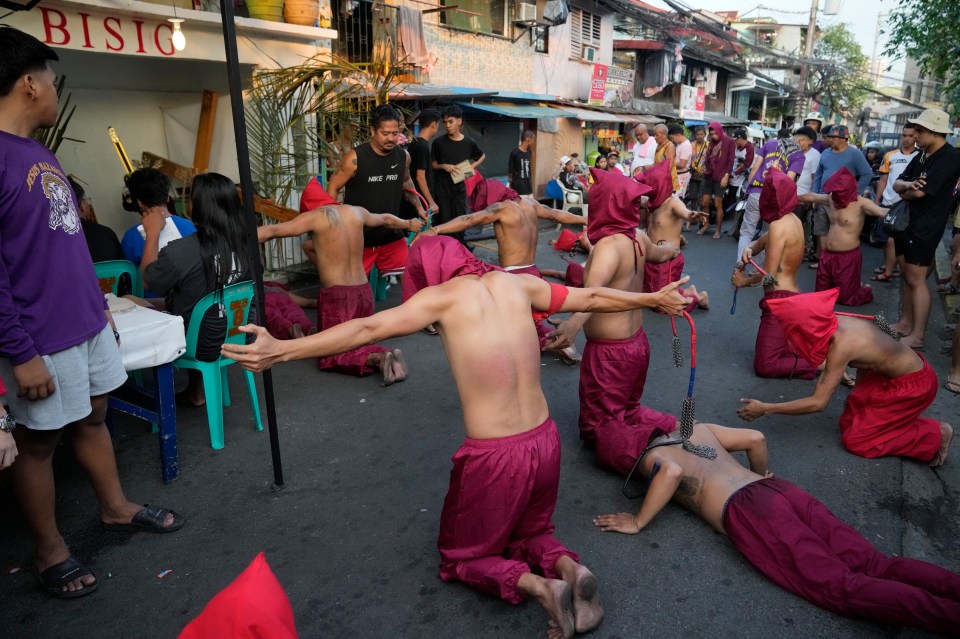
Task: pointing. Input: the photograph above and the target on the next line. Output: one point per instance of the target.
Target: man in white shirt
(684, 153)
(893, 165)
(805, 137)
(643, 150)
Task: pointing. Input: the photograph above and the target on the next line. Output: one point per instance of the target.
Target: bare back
(664, 224)
(516, 230)
(869, 348)
(786, 234)
(627, 276)
(707, 484)
(337, 235)
(492, 347)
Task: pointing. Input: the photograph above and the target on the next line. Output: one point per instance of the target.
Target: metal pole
(805, 67)
(763, 111)
(246, 187)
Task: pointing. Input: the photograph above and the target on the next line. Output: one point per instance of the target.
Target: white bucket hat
(934, 120)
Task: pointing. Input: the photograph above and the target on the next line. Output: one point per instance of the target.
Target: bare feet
(946, 436)
(569, 355)
(902, 328)
(703, 229)
(386, 367)
(556, 597)
(716, 235)
(848, 380)
(296, 332)
(912, 342)
(703, 301)
(587, 609)
(399, 366)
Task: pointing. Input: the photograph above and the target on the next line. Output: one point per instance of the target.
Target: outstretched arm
(665, 477)
(600, 269)
(753, 442)
(422, 309)
(375, 220)
(488, 215)
(558, 216)
(871, 208)
(304, 223)
(815, 198)
(610, 300)
(827, 385)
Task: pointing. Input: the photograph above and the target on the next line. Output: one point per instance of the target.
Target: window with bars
(584, 32)
(486, 16)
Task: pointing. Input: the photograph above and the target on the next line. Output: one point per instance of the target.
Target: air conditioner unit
(588, 54)
(525, 12)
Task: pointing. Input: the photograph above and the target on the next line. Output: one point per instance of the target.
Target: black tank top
(378, 187)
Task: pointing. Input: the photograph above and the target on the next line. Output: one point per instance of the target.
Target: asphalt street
(352, 536)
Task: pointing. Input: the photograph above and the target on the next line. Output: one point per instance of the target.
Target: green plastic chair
(109, 272)
(237, 299)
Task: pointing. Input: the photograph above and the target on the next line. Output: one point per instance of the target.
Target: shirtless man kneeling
(336, 231)
(894, 383)
(783, 243)
(496, 518)
(664, 226)
(514, 220)
(841, 259)
(789, 536)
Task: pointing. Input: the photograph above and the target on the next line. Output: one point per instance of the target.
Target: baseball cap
(838, 131)
(565, 159)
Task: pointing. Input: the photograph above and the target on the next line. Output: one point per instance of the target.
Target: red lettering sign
(114, 33)
(168, 41)
(49, 25)
(139, 24)
(86, 30)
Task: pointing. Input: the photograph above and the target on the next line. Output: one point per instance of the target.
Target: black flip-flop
(149, 520)
(54, 578)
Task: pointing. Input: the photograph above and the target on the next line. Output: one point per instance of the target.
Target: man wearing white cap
(929, 184)
(569, 179)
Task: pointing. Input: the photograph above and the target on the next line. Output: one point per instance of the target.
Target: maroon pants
(542, 327)
(797, 543)
(658, 275)
(495, 525)
(283, 313)
(842, 270)
(339, 304)
(771, 356)
(612, 376)
(882, 416)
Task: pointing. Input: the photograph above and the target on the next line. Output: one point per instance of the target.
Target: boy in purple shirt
(784, 155)
(56, 345)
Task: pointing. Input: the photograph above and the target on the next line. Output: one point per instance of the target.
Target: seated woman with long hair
(188, 269)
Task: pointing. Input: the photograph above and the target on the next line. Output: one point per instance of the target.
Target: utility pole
(802, 97)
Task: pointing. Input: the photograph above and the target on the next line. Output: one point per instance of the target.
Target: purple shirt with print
(50, 299)
(773, 157)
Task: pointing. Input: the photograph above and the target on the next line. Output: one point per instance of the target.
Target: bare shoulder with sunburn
(492, 347)
(625, 323)
(707, 484)
(339, 246)
(872, 349)
(516, 231)
(845, 227)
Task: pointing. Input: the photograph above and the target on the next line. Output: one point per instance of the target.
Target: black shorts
(915, 250)
(713, 189)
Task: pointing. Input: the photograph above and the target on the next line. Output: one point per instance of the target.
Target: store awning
(431, 91)
(587, 115)
(708, 116)
(522, 111)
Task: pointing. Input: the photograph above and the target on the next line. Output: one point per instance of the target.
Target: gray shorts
(80, 372)
(713, 189)
(821, 220)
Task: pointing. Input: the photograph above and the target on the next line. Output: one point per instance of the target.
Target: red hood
(808, 322)
(778, 197)
(660, 181)
(842, 187)
(437, 259)
(614, 205)
(489, 192)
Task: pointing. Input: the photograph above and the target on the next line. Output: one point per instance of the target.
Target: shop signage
(78, 29)
(693, 102)
(611, 86)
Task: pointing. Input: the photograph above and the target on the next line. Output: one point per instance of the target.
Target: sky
(860, 16)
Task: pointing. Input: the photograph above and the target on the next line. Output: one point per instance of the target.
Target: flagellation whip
(686, 415)
(766, 281)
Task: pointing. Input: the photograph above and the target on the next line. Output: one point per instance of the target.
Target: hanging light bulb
(178, 39)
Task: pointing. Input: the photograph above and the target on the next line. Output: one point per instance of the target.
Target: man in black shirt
(375, 176)
(421, 168)
(447, 152)
(929, 184)
(101, 240)
(518, 167)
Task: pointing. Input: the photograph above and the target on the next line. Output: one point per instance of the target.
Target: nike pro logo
(393, 166)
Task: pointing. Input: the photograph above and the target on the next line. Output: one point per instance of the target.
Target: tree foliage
(840, 82)
(929, 32)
